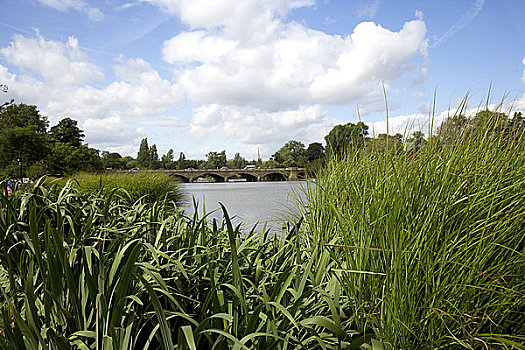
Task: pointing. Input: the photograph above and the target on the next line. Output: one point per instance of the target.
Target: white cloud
(254, 127)
(93, 13)
(138, 92)
(57, 62)
(369, 10)
(196, 46)
(248, 20)
(111, 133)
(301, 65)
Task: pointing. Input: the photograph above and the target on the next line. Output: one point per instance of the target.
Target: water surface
(248, 202)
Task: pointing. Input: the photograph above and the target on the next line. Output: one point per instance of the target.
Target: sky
(246, 76)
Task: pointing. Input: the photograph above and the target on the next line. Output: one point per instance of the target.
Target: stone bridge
(250, 175)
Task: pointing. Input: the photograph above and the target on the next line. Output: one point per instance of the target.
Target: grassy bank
(429, 244)
(149, 187)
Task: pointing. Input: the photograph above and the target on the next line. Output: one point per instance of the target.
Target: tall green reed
(429, 243)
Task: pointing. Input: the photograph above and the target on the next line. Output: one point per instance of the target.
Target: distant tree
(113, 160)
(143, 156)
(343, 138)
(270, 164)
(167, 160)
(67, 131)
(452, 127)
(216, 159)
(291, 154)
(154, 162)
(23, 138)
(416, 141)
(383, 142)
(181, 162)
(65, 159)
(238, 161)
(314, 151)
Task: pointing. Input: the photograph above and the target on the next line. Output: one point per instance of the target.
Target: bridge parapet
(222, 175)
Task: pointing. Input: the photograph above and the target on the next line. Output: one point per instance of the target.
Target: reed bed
(147, 186)
(90, 270)
(429, 243)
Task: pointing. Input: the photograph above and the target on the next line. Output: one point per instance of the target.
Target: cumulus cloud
(248, 20)
(196, 46)
(93, 13)
(301, 65)
(55, 61)
(56, 76)
(258, 127)
(114, 134)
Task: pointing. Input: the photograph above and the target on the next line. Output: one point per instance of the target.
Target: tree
(452, 127)
(291, 154)
(67, 131)
(113, 160)
(343, 138)
(238, 161)
(314, 151)
(167, 160)
(216, 159)
(23, 138)
(65, 159)
(154, 162)
(417, 140)
(181, 162)
(143, 156)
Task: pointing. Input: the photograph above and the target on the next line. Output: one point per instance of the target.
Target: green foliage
(65, 159)
(90, 270)
(167, 160)
(67, 131)
(143, 156)
(314, 151)
(216, 159)
(344, 138)
(149, 187)
(154, 162)
(23, 139)
(238, 161)
(430, 245)
(292, 154)
(113, 160)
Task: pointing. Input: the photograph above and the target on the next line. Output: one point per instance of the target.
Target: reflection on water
(248, 202)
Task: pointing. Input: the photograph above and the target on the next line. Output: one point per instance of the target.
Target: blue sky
(207, 75)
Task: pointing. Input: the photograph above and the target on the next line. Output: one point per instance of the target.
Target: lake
(248, 202)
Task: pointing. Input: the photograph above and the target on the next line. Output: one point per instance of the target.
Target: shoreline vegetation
(419, 248)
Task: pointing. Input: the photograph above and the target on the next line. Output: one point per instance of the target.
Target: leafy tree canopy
(216, 159)
(67, 131)
(291, 154)
(345, 137)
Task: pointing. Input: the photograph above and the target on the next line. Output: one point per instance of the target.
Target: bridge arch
(274, 176)
(183, 179)
(216, 177)
(249, 177)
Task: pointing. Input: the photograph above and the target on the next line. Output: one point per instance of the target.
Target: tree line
(29, 148)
